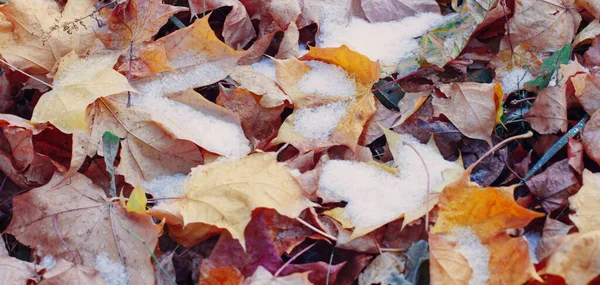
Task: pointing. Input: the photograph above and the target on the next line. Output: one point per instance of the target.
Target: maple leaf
(347, 112)
(135, 22)
(42, 32)
(147, 150)
(225, 193)
(237, 29)
(461, 258)
(548, 114)
(18, 159)
(78, 83)
(486, 211)
(65, 272)
(260, 84)
(573, 257)
(75, 221)
(471, 107)
(16, 271)
(590, 137)
(586, 89)
(586, 203)
(391, 10)
(545, 25)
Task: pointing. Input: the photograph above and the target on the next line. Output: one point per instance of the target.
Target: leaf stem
(292, 259)
(316, 230)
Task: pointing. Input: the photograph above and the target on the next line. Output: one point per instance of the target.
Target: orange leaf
(486, 211)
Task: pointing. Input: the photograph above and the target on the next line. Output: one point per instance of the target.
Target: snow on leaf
(75, 221)
(225, 193)
(78, 83)
(471, 107)
(254, 78)
(42, 32)
(586, 203)
(148, 151)
(393, 10)
(545, 25)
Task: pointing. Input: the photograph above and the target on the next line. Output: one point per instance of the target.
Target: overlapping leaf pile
(299, 142)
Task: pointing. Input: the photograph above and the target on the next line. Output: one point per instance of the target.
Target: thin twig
(28, 75)
(292, 259)
(316, 230)
(500, 145)
(329, 266)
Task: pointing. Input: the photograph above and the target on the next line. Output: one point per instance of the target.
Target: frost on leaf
(75, 221)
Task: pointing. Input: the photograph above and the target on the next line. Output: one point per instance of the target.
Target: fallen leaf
(574, 257)
(554, 185)
(546, 26)
(590, 6)
(393, 10)
(264, 277)
(486, 211)
(78, 83)
(289, 44)
(260, 84)
(75, 221)
(18, 158)
(147, 60)
(588, 33)
(256, 181)
(383, 267)
(128, 23)
(383, 117)
(237, 29)
(477, 116)
(552, 229)
(548, 115)
(575, 153)
(283, 12)
(16, 271)
(137, 201)
(42, 32)
(591, 137)
(260, 124)
(587, 89)
(586, 202)
(222, 276)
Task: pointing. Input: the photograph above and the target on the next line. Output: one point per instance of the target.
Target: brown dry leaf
(289, 44)
(591, 6)
(148, 150)
(282, 12)
(461, 258)
(552, 229)
(382, 268)
(257, 83)
(410, 104)
(18, 159)
(545, 25)
(65, 272)
(574, 257)
(260, 124)
(486, 211)
(225, 193)
(237, 29)
(554, 185)
(383, 117)
(15, 271)
(135, 22)
(548, 115)
(263, 277)
(471, 107)
(147, 60)
(75, 221)
(575, 153)
(42, 32)
(591, 137)
(588, 33)
(78, 83)
(587, 91)
(198, 57)
(394, 10)
(586, 203)
(592, 55)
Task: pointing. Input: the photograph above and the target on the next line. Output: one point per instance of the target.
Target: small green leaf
(110, 144)
(549, 67)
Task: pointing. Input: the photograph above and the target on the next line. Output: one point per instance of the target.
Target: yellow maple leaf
(137, 201)
(586, 203)
(224, 193)
(78, 83)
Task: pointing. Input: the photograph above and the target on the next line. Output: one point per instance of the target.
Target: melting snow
(265, 67)
(372, 193)
(319, 123)
(327, 79)
(388, 42)
(166, 186)
(477, 255)
(48, 262)
(113, 273)
(515, 79)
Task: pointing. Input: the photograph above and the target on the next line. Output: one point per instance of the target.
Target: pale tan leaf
(586, 203)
